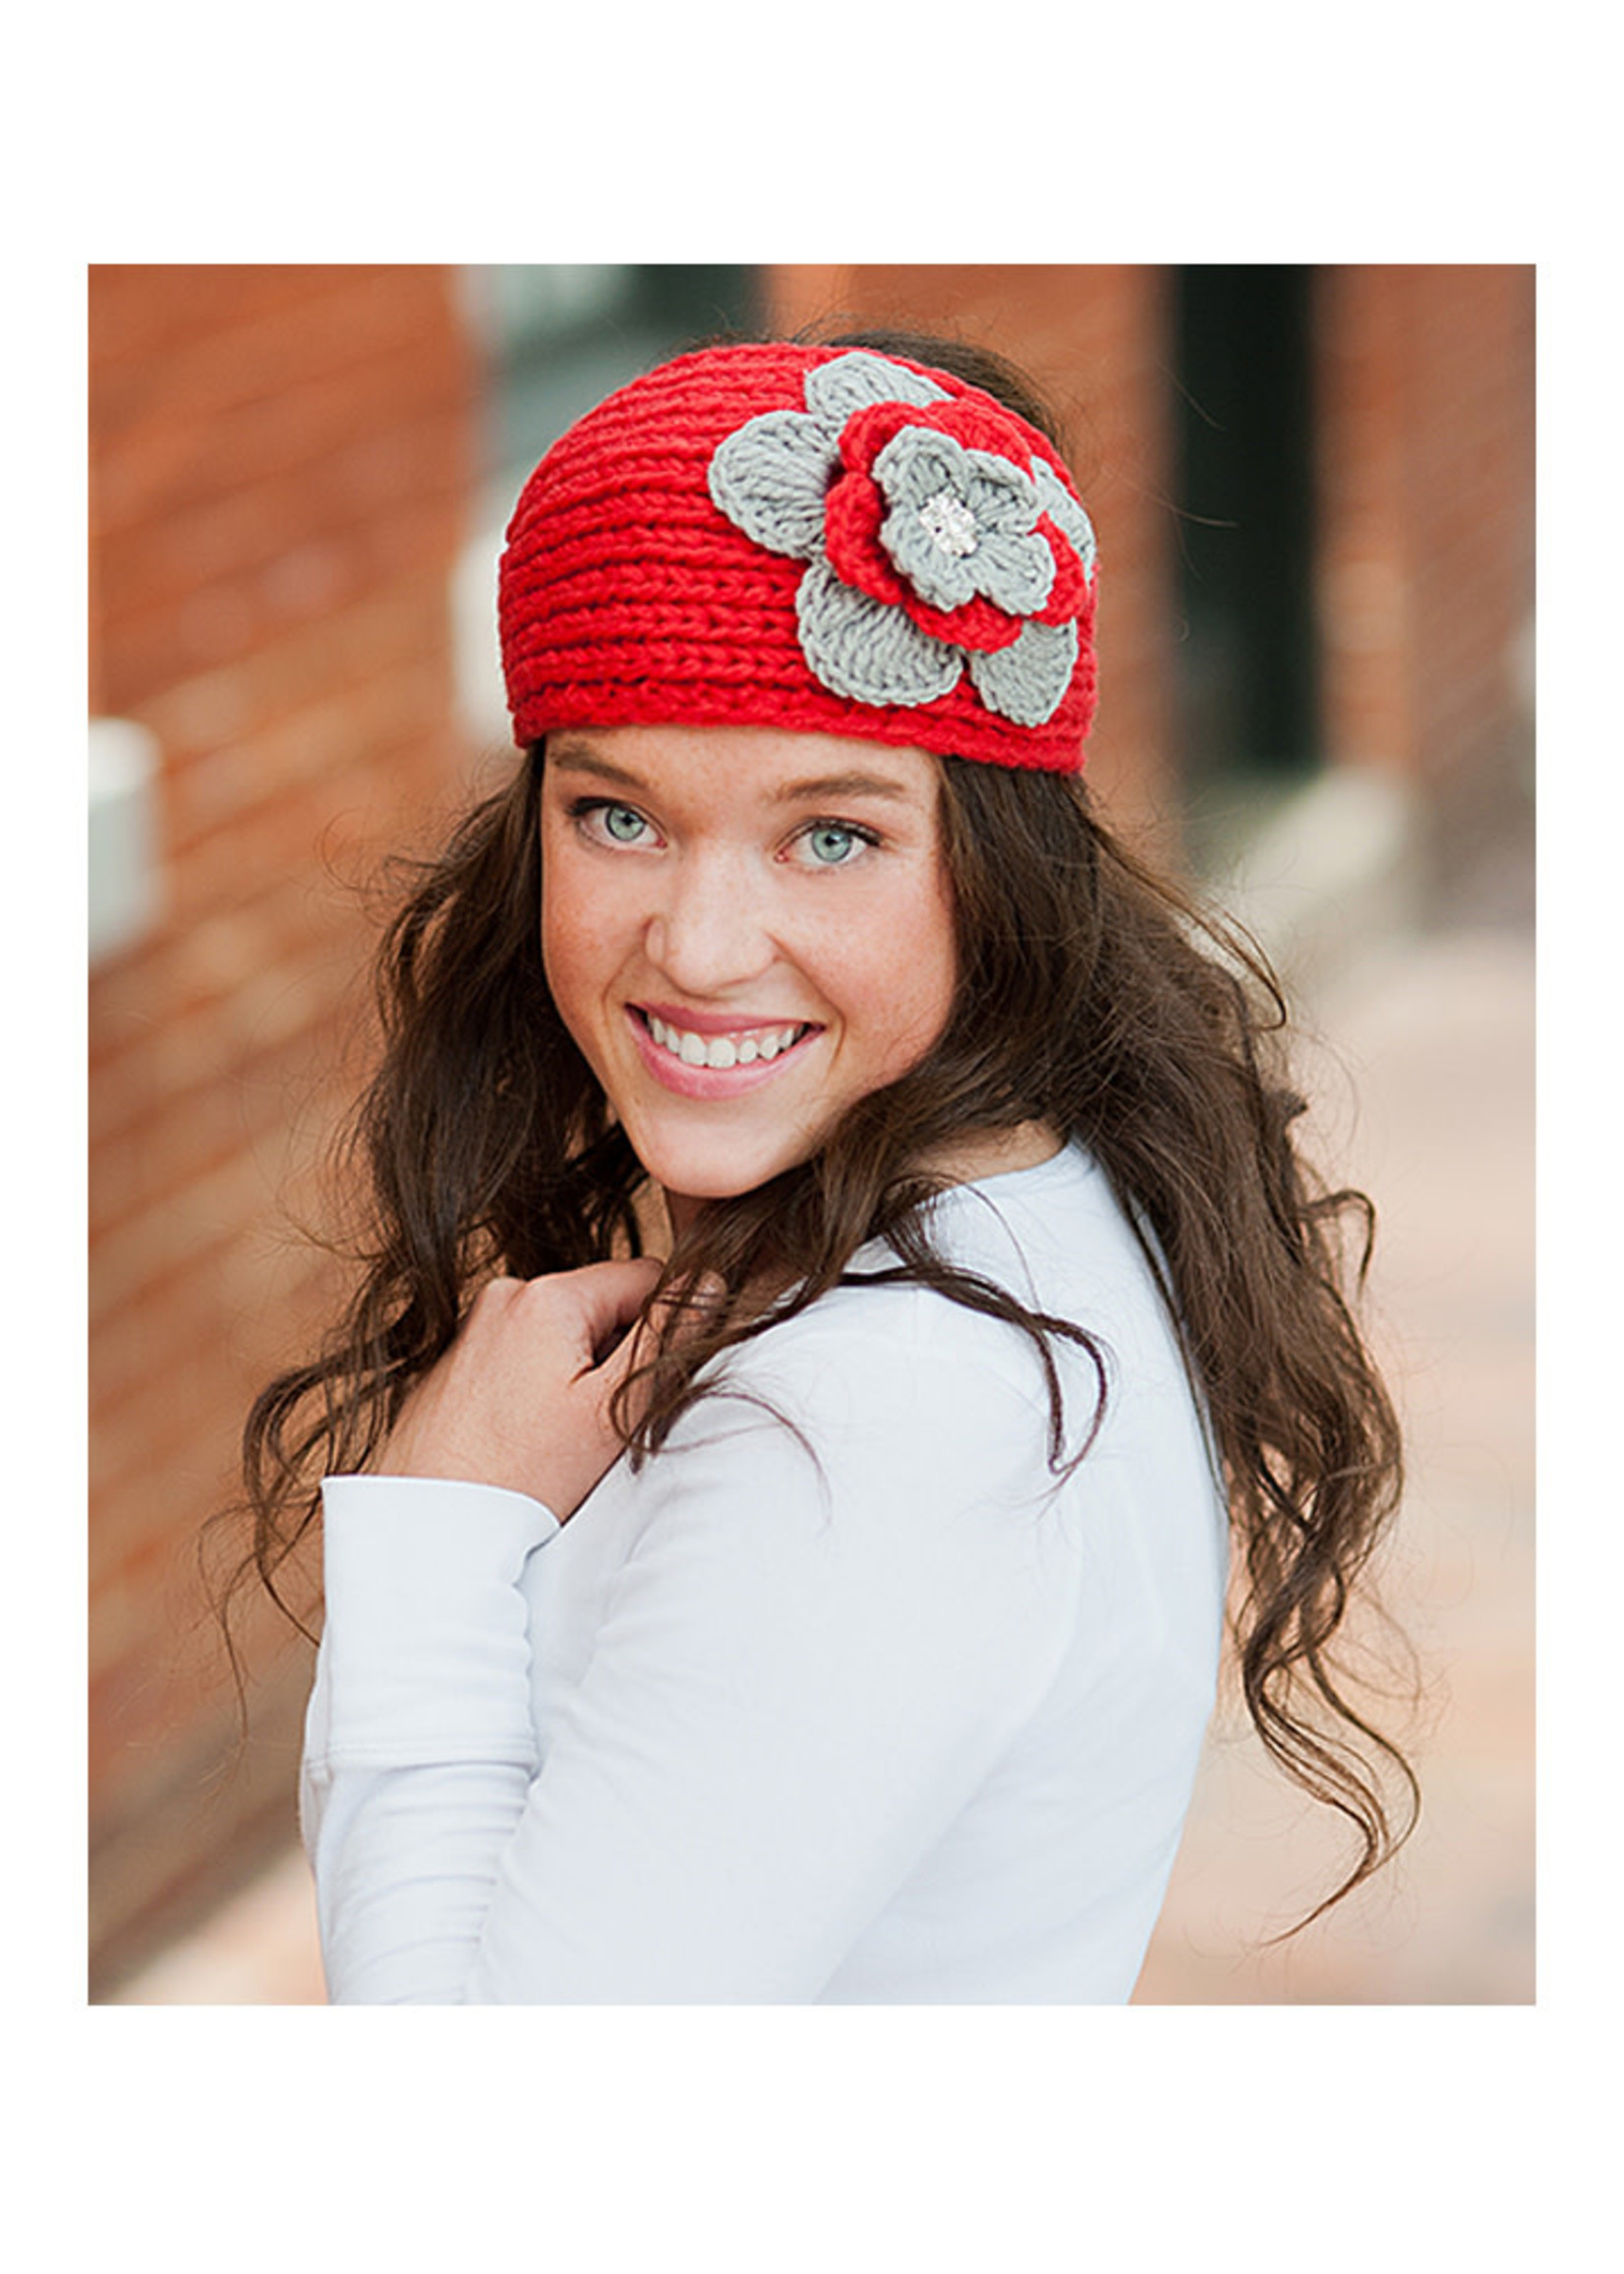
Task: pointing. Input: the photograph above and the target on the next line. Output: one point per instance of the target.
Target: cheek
(557, 929)
(934, 938)
(928, 1000)
(904, 986)
(576, 951)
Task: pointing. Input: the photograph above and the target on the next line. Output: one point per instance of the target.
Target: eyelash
(853, 829)
(582, 809)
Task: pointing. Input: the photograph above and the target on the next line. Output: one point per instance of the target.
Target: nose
(709, 934)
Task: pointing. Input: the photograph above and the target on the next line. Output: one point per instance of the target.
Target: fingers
(589, 1312)
(608, 1298)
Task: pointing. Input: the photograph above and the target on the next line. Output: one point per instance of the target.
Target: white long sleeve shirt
(863, 1710)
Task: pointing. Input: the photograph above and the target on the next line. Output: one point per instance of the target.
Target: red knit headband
(814, 537)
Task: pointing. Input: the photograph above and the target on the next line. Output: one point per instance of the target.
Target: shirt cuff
(426, 1648)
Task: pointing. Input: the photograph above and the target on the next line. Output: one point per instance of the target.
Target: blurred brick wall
(1426, 427)
(280, 463)
(1097, 342)
(281, 460)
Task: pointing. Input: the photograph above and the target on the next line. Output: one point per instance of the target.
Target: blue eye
(623, 824)
(832, 844)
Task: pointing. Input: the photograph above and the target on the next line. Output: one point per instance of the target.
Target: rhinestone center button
(949, 524)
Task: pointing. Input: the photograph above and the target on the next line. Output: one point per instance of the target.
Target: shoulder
(895, 1347)
(1048, 1232)
(901, 1371)
(879, 1451)
(891, 1390)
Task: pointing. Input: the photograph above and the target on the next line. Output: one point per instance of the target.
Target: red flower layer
(856, 508)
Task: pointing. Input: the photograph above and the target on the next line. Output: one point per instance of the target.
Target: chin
(701, 1173)
(701, 1184)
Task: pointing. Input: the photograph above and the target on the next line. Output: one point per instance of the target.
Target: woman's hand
(522, 1396)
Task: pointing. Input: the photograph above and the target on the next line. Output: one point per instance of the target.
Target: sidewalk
(1424, 1094)
(1437, 1037)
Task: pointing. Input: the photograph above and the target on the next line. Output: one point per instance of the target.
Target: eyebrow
(581, 758)
(837, 786)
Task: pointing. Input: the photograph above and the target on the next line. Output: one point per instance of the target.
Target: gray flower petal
(854, 382)
(940, 580)
(1016, 573)
(1064, 512)
(770, 477)
(1003, 497)
(960, 523)
(1028, 680)
(930, 531)
(917, 463)
(867, 651)
(939, 572)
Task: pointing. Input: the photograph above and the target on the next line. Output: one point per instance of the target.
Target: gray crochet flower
(770, 477)
(959, 525)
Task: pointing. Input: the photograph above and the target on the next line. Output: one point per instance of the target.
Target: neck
(987, 1153)
(995, 1152)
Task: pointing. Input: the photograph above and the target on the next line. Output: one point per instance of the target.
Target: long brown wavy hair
(1093, 995)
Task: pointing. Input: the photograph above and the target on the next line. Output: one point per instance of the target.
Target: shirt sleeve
(833, 1620)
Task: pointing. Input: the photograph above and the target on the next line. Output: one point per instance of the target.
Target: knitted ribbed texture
(629, 597)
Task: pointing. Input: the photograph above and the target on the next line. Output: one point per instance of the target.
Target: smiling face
(745, 931)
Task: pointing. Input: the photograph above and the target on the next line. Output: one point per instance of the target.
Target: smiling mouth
(739, 1046)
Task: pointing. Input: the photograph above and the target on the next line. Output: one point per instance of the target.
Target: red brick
(152, 1342)
(144, 309)
(202, 618)
(188, 1009)
(281, 462)
(185, 1230)
(198, 341)
(256, 769)
(140, 1491)
(253, 1108)
(153, 465)
(404, 614)
(1426, 435)
(243, 528)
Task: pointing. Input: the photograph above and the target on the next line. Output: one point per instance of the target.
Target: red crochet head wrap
(822, 539)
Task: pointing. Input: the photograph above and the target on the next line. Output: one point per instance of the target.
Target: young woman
(841, 1270)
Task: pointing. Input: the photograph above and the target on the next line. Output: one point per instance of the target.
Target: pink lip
(709, 1081)
(712, 1022)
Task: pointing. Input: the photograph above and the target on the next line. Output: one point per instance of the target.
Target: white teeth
(723, 1050)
